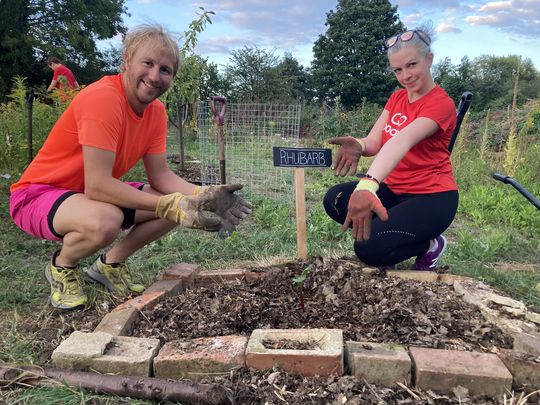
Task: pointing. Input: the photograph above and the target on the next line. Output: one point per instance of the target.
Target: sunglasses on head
(404, 36)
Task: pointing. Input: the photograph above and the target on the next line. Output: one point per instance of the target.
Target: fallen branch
(124, 386)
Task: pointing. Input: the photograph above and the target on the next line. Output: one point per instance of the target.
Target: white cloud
(520, 17)
(447, 26)
(279, 23)
(221, 45)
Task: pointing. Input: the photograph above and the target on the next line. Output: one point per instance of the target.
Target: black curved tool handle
(463, 107)
(514, 183)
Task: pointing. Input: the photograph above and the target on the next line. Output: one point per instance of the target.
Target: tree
(15, 46)
(295, 78)
(494, 78)
(251, 74)
(455, 80)
(31, 30)
(214, 83)
(350, 58)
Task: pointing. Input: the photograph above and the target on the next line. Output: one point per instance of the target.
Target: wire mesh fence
(250, 132)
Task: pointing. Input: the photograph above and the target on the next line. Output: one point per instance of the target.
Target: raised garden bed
(367, 306)
(337, 295)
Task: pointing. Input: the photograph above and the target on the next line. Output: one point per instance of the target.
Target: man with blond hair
(72, 192)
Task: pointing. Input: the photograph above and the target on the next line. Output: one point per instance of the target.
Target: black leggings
(413, 220)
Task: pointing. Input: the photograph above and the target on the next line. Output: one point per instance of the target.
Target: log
(124, 386)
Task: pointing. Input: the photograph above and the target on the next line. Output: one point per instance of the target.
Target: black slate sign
(302, 157)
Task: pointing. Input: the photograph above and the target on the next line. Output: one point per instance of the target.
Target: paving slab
(527, 343)
(79, 349)
(127, 356)
(196, 358)
(524, 368)
(443, 370)
(324, 359)
(104, 353)
(479, 294)
(383, 364)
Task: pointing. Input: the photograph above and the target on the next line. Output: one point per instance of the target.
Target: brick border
(512, 364)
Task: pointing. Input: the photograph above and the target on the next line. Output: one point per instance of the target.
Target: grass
(495, 238)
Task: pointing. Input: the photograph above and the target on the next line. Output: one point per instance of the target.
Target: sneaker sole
(97, 277)
(445, 244)
(55, 304)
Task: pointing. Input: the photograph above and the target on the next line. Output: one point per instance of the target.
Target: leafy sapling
(299, 281)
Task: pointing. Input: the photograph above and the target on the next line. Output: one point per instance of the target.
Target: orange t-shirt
(99, 116)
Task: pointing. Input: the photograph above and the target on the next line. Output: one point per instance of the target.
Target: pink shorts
(33, 209)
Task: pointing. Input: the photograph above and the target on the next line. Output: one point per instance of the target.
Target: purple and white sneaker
(429, 260)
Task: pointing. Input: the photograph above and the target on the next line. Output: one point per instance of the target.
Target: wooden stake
(301, 234)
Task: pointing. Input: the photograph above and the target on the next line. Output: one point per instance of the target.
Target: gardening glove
(187, 211)
(348, 154)
(223, 202)
(362, 204)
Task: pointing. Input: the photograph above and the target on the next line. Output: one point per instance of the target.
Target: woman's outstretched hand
(348, 154)
(362, 204)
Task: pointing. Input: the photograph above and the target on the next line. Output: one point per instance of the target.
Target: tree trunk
(124, 386)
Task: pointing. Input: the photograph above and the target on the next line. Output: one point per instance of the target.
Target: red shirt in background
(61, 70)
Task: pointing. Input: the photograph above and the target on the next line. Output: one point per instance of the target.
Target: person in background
(72, 193)
(408, 197)
(62, 76)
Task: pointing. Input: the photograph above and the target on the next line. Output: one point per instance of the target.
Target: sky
(462, 28)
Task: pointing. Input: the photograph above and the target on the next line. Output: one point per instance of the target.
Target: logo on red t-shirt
(398, 119)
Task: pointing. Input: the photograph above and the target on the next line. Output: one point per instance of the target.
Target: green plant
(14, 126)
(299, 281)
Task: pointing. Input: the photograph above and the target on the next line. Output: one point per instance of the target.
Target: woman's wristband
(368, 185)
(369, 176)
(362, 144)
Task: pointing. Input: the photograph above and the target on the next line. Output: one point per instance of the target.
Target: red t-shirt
(61, 70)
(426, 167)
(99, 116)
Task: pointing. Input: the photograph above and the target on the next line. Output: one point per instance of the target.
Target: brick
(185, 272)
(142, 302)
(443, 370)
(426, 276)
(127, 356)
(527, 343)
(219, 276)
(381, 364)
(170, 287)
(525, 370)
(449, 279)
(196, 358)
(325, 360)
(118, 323)
(253, 276)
